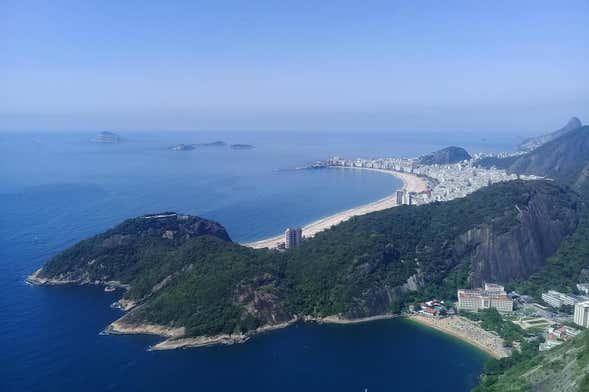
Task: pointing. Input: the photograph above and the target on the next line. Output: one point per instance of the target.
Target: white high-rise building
(581, 316)
(293, 237)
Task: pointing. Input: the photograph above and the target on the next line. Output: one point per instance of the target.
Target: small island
(242, 146)
(107, 138)
(190, 147)
(218, 143)
(182, 147)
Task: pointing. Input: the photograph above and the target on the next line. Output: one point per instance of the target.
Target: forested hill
(445, 156)
(184, 271)
(564, 368)
(565, 159)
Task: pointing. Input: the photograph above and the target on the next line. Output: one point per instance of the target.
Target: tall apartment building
(581, 316)
(293, 237)
(491, 296)
(400, 197)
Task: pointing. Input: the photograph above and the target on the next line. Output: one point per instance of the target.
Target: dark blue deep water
(57, 189)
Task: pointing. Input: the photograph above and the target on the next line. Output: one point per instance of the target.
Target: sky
(504, 66)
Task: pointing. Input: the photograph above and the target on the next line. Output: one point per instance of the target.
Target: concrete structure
(293, 237)
(557, 299)
(581, 316)
(583, 287)
(491, 296)
(400, 197)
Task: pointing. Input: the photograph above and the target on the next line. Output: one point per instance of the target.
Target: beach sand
(466, 330)
(411, 183)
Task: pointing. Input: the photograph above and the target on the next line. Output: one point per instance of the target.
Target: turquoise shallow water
(56, 189)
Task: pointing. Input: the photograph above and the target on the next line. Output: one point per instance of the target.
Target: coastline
(411, 183)
(175, 337)
(467, 331)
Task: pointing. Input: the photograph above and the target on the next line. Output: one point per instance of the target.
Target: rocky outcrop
(262, 299)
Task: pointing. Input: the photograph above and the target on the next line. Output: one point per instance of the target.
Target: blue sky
(293, 65)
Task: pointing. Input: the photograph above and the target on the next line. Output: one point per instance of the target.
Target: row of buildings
(580, 303)
(447, 182)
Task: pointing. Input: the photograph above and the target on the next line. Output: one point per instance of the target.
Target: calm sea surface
(57, 189)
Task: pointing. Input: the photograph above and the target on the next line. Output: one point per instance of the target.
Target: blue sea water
(57, 189)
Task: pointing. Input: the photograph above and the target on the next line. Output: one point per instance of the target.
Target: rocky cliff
(521, 249)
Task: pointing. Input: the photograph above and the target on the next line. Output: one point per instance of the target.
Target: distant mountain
(445, 156)
(107, 137)
(535, 142)
(565, 159)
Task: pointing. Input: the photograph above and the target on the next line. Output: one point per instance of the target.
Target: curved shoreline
(455, 327)
(411, 183)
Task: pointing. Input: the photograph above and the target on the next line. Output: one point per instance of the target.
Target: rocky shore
(176, 337)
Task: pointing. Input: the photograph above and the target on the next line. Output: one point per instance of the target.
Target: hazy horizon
(228, 66)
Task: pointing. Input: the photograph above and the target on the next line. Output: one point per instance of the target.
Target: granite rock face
(497, 256)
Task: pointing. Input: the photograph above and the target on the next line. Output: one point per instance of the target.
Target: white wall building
(557, 299)
(581, 316)
(492, 296)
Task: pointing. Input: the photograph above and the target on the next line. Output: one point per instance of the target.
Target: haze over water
(57, 189)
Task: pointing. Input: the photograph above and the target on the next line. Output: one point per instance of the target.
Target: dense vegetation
(184, 271)
(564, 368)
(491, 320)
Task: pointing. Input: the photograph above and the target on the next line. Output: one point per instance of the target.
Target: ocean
(58, 188)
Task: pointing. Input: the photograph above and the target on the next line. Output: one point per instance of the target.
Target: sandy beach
(466, 330)
(411, 183)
